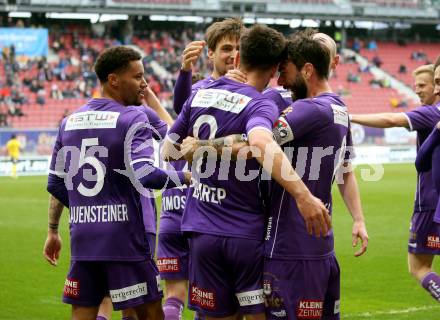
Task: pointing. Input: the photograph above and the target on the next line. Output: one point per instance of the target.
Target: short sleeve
(158, 127)
(275, 96)
(140, 140)
(262, 115)
(423, 118)
(58, 160)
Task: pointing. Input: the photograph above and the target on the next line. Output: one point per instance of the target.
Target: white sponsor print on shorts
(250, 298)
(337, 306)
(128, 293)
(279, 314)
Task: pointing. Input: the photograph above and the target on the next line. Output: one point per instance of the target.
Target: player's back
(315, 136)
(105, 208)
(226, 196)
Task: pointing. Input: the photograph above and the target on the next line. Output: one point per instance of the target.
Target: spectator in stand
(353, 77)
(41, 97)
(402, 68)
(377, 61)
(356, 46)
(372, 45)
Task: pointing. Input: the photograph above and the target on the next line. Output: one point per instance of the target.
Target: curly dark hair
(114, 60)
(261, 47)
(302, 48)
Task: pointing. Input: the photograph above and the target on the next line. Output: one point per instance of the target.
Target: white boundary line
(388, 312)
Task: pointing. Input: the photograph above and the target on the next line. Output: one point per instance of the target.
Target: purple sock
(431, 283)
(198, 316)
(173, 309)
(101, 318)
(127, 318)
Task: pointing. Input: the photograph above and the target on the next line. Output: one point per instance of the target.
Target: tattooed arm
(52, 246)
(234, 146)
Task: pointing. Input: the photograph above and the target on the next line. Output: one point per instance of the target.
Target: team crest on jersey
(340, 115)
(220, 99)
(71, 288)
(168, 265)
(282, 131)
(433, 242)
(309, 309)
(92, 120)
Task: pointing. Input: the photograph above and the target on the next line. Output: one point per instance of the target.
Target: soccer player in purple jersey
(301, 277)
(318, 122)
(224, 213)
(97, 174)
(159, 120)
(421, 248)
(222, 40)
(428, 159)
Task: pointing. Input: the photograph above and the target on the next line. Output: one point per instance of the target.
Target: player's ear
(210, 54)
(113, 79)
(307, 70)
(237, 60)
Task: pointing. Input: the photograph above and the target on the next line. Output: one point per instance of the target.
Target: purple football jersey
(423, 119)
(173, 200)
(106, 220)
(225, 199)
(279, 95)
(315, 135)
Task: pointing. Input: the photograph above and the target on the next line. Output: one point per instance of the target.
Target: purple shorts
(225, 275)
(424, 234)
(130, 283)
(302, 289)
(172, 256)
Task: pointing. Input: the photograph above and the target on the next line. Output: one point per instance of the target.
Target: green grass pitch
(375, 286)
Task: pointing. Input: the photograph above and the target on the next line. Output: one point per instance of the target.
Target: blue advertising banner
(27, 41)
(33, 142)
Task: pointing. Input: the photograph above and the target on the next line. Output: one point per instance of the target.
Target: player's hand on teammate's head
(360, 232)
(188, 147)
(188, 176)
(315, 214)
(438, 125)
(52, 248)
(236, 75)
(191, 54)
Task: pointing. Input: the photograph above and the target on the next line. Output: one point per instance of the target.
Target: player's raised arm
(381, 120)
(153, 101)
(273, 160)
(182, 89)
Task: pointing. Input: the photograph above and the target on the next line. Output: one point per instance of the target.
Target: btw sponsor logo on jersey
(92, 120)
